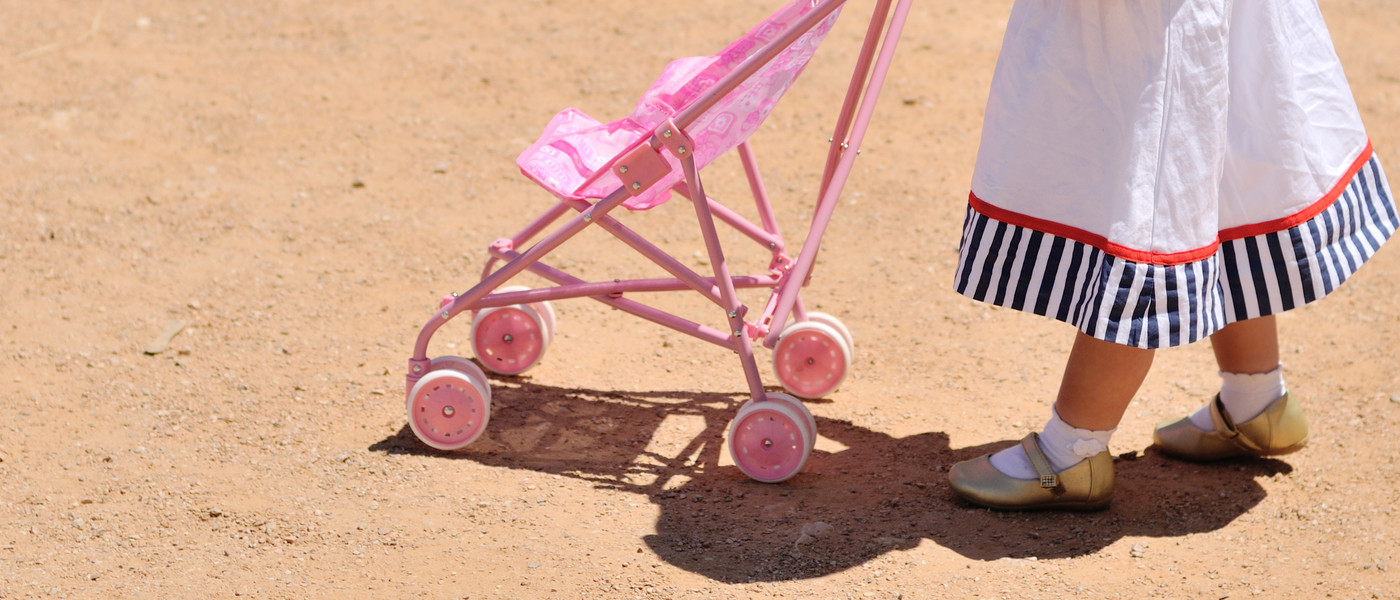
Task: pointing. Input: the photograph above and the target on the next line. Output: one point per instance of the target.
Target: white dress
(1153, 171)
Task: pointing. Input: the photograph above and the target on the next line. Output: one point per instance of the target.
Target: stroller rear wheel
(811, 359)
(510, 339)
(835, 323)
(771, 440)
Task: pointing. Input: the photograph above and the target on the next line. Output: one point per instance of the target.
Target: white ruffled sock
(1064, 446)
(1245, 396)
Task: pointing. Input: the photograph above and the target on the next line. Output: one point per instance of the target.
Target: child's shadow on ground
(848, 506)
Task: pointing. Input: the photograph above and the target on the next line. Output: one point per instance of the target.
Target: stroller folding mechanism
(699, 109)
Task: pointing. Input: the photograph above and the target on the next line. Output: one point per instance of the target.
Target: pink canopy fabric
(572, 156)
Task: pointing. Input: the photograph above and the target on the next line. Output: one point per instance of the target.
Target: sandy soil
(294, 185)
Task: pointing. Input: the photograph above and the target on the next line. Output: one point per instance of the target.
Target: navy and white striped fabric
(1153, 306)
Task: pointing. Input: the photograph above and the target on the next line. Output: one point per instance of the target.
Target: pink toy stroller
(699, 109)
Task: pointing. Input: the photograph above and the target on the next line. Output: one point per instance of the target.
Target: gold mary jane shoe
(1087, 485)
(1280, 429)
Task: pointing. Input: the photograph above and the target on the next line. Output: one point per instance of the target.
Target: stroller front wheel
(448, 409)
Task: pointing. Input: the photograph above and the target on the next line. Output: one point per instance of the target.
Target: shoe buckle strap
(1224, 424)
(1048, 478)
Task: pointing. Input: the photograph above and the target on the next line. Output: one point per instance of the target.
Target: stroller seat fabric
(573, 155)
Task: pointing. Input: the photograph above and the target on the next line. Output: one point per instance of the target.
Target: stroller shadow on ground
(848, 506)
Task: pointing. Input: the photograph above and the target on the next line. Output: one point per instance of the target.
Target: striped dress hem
(1154, 305)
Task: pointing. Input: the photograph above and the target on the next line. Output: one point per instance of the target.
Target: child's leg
(1067, 465)
(1247, 354)
(1100, 380)
(1253, 414)
(1247, 346)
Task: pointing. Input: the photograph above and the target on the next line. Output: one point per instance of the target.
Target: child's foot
(1087, 485)
(1281, 428)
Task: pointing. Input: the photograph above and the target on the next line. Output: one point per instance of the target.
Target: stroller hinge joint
(641, 168)
(675, 140)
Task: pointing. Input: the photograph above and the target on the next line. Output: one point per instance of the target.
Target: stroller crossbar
(698, 110)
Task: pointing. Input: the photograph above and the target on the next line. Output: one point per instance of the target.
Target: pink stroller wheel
(802, 409)
(448, 409)
(835, 323)
(509, 339)
(543, 308)
(770, 441)
(549, 317)
(461, 365)
(811, 359)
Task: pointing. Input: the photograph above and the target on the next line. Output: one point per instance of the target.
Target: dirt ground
(294, 185)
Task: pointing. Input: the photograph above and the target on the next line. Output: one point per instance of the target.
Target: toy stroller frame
(449, 399)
